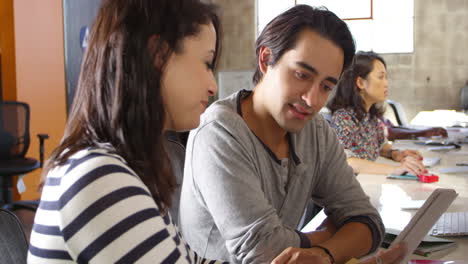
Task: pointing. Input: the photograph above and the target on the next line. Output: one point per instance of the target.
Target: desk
(387, 195)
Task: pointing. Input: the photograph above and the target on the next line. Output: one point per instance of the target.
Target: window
(269, 9)
(384, 26)
(355, 9)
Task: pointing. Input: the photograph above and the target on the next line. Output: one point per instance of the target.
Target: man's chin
(296, 126)
(293, 128)
(293, 131)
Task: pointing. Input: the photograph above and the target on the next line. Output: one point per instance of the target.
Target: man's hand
(316, 256)
(302, 255)
(390, 256)
(435, 131)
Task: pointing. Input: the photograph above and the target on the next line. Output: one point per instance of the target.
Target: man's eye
(328, 88)
(301, 75)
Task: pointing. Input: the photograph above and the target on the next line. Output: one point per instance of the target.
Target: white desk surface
(387, 195)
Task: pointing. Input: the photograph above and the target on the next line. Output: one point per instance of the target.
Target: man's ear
(157, 49)
(264, 59)
(360, 83)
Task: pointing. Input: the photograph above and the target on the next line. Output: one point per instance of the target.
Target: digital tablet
(424, 219)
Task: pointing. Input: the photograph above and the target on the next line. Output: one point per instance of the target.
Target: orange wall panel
(7, 47)
(40, 75)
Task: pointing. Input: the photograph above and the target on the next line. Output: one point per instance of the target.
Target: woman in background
(148, 68)
(356, 111)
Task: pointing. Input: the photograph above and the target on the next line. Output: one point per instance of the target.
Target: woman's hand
(411, 165)
(400, 155)
(302, 255)
(390, 256)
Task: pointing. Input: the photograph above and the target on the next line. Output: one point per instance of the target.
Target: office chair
(13, 243)
(326, 114)
(398, 112)
(464, 97)
(14, 143)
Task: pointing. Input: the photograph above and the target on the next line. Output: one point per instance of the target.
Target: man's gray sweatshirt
(239, 203)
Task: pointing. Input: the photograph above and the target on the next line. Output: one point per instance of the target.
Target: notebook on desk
(424, 219)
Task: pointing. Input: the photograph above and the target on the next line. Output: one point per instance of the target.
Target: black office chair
(14, 143)
(13, 243)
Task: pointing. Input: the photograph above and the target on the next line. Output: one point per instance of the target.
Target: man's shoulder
(223, 114)
(221, 111)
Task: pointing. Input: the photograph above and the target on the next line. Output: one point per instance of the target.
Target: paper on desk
(453, 170)
(412, 204)
(457, 153)
(315, 222)
(441, 148)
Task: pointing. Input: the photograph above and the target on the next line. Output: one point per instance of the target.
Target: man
(258, 157)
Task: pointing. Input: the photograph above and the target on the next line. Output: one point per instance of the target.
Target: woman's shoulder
(344, 114)
(88, 165)
(345, 111)
(91, 157)
(96, 192)
(99, 155)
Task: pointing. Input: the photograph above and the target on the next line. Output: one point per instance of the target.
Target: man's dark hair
(281, 34)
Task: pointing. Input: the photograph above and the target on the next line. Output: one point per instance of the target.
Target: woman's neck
(367, 104)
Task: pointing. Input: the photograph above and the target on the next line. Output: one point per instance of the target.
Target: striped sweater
(95, 209)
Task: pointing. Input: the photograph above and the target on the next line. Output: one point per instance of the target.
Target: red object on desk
(428, 178)
(428, 261)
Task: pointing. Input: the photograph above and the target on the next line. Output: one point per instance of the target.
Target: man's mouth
(299, 111)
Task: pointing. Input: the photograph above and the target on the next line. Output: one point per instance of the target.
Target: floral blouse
(361, 139)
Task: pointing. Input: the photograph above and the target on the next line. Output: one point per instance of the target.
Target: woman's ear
(264, 59)
(360, 83)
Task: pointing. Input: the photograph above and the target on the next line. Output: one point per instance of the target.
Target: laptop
(451, 224)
